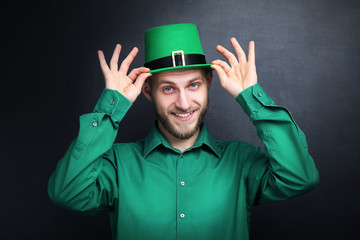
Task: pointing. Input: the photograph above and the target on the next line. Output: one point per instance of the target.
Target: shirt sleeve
(285, 169)
(85, 178)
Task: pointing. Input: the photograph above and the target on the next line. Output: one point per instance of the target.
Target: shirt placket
(182, 197)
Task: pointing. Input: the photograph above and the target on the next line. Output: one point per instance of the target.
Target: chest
(191, 185)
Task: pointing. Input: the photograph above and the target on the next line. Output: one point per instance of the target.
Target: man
(179, 182)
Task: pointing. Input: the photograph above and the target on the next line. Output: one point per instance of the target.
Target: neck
(181, 144)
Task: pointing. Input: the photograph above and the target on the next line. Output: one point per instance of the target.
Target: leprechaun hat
(173, 47)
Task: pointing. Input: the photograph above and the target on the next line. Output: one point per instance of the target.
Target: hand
(241, 74)
(116, 79)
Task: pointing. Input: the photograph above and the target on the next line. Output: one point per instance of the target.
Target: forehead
(178, 76)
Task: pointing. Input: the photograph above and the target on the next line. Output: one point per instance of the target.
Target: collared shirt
(153, 191)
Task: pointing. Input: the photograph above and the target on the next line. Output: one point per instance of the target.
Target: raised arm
(285, 169)
(85, 179)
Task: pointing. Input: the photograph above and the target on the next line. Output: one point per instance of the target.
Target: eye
(193, 85)
(168, 89)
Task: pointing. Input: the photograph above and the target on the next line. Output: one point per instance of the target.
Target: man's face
(180, 99)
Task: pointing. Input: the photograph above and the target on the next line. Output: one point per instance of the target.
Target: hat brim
(181, 67)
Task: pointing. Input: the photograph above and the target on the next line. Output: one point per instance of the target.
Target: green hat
(173, 47)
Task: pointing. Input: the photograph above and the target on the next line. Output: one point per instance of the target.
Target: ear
(209, 76)
(146, 89)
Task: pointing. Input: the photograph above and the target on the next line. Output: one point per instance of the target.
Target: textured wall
(307, 56)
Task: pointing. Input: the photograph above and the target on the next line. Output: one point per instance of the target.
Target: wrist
(252, 99)
(113, 103)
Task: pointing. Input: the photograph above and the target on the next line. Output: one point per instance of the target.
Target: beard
(179, 133)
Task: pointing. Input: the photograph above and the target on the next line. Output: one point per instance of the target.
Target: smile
(183, 116)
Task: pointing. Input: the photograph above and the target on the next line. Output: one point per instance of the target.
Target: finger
(220, 72)
(252, 52)
(239, 51)
(222, 64)
(103, 65)
(115, 57)
(228, 55)
(124, 67)
(141, 79)
(136, 72)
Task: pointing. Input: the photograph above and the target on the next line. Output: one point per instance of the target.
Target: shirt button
(182, 156)
(182, 183)
(112, 102)
(94, 124)
(182, 215)
(259, 94)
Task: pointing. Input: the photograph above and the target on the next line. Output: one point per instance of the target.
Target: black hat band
(177, 59)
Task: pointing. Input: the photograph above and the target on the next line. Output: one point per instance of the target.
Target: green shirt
(153, 191)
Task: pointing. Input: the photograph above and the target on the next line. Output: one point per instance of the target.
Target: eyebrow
(172, 82)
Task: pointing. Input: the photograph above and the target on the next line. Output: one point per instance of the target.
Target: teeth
(183, 115)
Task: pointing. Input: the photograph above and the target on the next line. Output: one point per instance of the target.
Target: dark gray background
(307, 56)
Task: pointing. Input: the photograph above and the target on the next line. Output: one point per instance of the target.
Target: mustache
(183, 111)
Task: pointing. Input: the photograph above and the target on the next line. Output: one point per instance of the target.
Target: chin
(181, 129)
(184, 132)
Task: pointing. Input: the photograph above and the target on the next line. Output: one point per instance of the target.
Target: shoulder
(124, 151)
(238, 146)
(239, 150)
(137, 146)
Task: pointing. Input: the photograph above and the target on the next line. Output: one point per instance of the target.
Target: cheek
(163, 103)
(200, 97)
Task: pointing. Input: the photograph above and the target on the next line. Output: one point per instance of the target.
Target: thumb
(220, 72)
(141, 79)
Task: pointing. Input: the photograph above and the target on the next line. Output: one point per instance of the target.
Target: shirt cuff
(113, 103)
(253, 99)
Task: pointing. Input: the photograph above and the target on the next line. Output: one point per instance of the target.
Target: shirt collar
(155, 138)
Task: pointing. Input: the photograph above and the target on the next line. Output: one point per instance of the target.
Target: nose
(183, 101)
